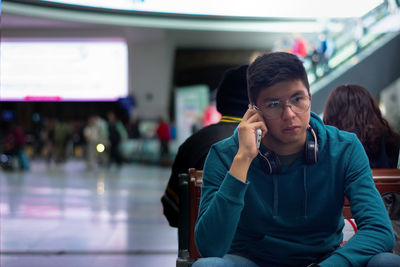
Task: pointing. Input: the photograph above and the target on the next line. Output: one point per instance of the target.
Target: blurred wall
(151, 74)
(390, 104)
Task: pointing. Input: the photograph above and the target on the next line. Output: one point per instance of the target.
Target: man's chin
(285, 141)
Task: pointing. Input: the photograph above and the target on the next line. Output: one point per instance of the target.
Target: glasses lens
(272, 112)
(298, 104)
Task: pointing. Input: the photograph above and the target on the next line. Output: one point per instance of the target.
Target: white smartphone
(258, 138)
(258, 135)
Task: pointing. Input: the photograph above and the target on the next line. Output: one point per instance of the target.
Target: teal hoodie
(294, 217)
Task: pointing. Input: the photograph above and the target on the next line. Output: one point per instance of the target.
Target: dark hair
(352, 108)
(232, 99)
(272, 68)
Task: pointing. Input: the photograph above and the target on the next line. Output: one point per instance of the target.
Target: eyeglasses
(273, 109)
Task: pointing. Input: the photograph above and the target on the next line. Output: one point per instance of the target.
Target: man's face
(286, 128)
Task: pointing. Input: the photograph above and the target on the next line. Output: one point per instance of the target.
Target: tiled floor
(67, 216)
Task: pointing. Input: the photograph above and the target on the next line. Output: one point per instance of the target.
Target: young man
(232, 102)
(282, 205)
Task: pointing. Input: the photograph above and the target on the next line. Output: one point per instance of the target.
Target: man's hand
(251, 121)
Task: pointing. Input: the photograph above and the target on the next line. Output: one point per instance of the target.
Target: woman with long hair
(352, 108)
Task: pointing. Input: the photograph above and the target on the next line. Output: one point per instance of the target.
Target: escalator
(375, 67)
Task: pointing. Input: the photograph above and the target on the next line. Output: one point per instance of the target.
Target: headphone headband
(310, 151)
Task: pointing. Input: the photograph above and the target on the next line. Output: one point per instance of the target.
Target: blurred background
(88, 89)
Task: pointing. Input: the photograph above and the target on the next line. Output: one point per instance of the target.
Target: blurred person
(61, 137)
(164, 137)
(352, 108)
(78, 137)
(315, 60)
(103, 139)
(37, 142)
(231, 102)
(95, 133)
(116, 135)
(133, 128)
(326, 49)
(172, 130)
(91, 137)
(126, 105)
(48, 140)
(300, 46)
(14, 145)
(280, 204)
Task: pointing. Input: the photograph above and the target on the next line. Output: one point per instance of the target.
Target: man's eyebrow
(271, 99)
(299, 92)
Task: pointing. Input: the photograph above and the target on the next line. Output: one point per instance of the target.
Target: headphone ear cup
(271, 163)
(311, 152)
(311, 148)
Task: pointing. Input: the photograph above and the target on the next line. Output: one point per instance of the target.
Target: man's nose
(287, 110)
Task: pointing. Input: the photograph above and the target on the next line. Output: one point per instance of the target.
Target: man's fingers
(250, 112)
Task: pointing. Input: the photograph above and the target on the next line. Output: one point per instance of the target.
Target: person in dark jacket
(232, 102)
(116, 134)
(352, 108)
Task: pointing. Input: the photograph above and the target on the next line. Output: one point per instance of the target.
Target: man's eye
(297, 99)
(273, 104)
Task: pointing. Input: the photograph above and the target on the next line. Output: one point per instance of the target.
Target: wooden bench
(189, 202)
(386, 180)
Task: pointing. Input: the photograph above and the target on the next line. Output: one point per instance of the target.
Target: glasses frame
(283, 106)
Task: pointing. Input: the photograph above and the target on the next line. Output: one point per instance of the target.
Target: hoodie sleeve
(375, 233)
(222, 201)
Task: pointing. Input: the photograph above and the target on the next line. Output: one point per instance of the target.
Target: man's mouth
(291, 129)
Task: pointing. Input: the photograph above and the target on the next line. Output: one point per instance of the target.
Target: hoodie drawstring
(276, 196)
(275, 184)
(305, 193)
